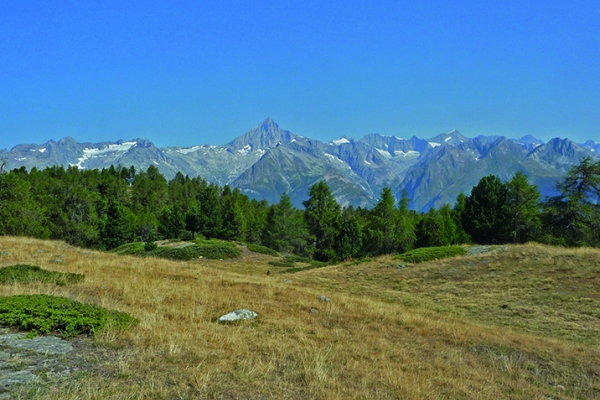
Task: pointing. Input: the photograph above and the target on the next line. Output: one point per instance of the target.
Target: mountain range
(267, 161)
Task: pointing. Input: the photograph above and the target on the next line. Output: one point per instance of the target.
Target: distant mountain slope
(267, 161)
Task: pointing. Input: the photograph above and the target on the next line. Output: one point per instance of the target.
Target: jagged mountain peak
(559, 153)
(264, 136)
(267, 160)
(67, 140)
(340, 141)
(529, 139)
(449, 138)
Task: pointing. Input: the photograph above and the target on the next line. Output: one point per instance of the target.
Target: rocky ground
(47, 361)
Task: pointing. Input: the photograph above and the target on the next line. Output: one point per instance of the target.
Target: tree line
(106, 208)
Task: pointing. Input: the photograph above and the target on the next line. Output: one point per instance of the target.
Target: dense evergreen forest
(106, 208)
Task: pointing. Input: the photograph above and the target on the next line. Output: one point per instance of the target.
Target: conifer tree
(322, 215)
(285, 230)
(116, 229)
(522, 209)
(484, 219)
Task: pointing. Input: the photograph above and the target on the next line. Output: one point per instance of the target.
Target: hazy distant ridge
(267, 161)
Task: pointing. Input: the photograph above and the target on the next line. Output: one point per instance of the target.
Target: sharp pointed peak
(265, 135)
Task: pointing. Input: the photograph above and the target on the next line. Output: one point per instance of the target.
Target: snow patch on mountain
(89, 153)
(434, 144)
(42, 150)
(411, 153)
(245, 150)
(111, 147)
(333, 157)
(189, 150)
(340, 141)
(384, 153)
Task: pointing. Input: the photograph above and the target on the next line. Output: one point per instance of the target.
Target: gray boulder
(237, 315)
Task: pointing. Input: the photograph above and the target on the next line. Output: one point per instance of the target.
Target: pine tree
(285, 230)
(522, 208)
(116, 228)
(349, 242)
(484, 218)
(406, 226)
(573, 217)
(322, 215)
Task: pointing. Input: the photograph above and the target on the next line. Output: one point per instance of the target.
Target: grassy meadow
(516, 322)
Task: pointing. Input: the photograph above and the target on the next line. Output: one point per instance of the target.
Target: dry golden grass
(383, 335)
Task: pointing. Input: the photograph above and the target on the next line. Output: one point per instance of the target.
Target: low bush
(215, 242)
(217, 251)
(149, 246)
(262, 250)
(289, 262)
(43, 314)
(282, 263)
(23, 273)
(209, 251)
(298, 259)
(431, 253)
(298, 269)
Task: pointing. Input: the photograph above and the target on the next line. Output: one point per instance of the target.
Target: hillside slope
(514, 323)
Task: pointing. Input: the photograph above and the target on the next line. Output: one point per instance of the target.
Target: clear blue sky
(196, 72)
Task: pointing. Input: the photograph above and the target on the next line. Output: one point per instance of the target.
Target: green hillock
(23, 273)
(44, 314)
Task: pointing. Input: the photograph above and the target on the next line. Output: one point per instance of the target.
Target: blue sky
(196, 72)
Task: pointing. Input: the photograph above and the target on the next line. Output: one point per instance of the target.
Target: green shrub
(215, 242)
(43, 314)
(282, 263)
(262, 250)
(218, 251)
(209, 251)
(298, 259)
(23, 273)
(431, 253)
(149, 246)
(289, 262)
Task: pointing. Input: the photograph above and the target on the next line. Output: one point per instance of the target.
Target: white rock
(238, 315)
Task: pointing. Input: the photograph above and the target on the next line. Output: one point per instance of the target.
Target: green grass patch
(282, 263)
(218, 251)
(129, 248)
(23, 273)
(361, 261)
(215, 242)
(431, 253)
(313, 265)
(210, 249)
(43, 314)
(262, 250)
(299, 259)
(289, 262)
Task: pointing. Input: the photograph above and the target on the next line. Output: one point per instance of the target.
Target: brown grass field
(521, 322)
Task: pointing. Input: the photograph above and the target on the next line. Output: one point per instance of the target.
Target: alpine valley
(267, 161)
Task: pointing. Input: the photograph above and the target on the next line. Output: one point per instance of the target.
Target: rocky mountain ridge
(267, 161)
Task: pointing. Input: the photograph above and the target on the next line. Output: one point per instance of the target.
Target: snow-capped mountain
(267, 161)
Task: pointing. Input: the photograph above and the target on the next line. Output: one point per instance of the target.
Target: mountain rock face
(267, 161)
